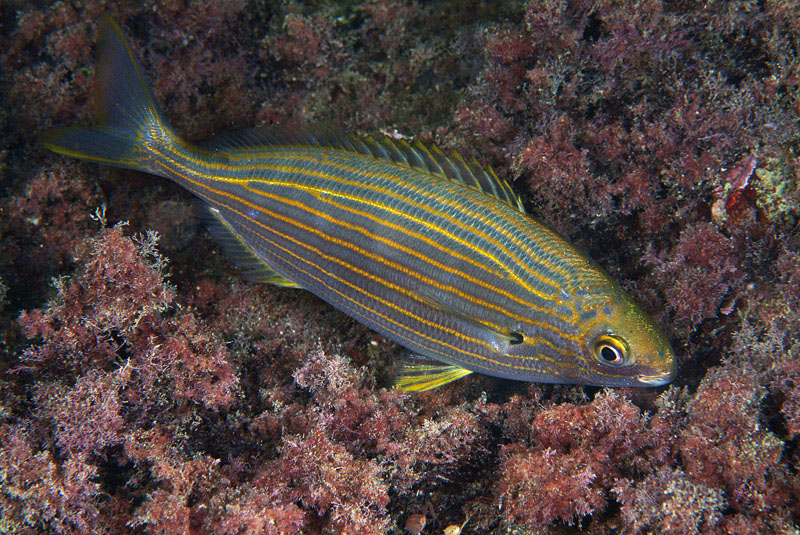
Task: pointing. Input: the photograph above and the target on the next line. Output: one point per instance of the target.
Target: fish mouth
(658, 379)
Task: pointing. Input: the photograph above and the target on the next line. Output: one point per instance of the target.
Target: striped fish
(427, 249)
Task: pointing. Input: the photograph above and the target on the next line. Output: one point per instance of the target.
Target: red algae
(669, 502)
(140, 394)
(704, 270)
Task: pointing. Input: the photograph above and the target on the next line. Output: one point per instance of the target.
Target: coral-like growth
(38, 493)
(668, 502)
(725, 446)
(329, 480)
(88, 415)
(112, 307)
(579, 454)
(705, 272)
(42, 224)
(540, 487)
(116, 291)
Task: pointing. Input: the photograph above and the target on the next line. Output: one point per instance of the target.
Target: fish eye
(610, 349)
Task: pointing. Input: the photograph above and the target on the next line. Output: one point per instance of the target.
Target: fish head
(622, 346)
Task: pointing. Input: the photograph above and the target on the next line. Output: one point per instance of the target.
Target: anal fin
(254, 269)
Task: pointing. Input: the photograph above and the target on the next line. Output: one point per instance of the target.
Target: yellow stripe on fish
(431, 251)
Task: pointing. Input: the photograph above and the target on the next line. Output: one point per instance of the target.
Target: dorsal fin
(417, 155)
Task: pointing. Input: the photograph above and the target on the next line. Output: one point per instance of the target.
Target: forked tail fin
(129, 123)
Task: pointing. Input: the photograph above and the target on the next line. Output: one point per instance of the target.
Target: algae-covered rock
(778, 190)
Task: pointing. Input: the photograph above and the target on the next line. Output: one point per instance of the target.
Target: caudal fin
(129, 119)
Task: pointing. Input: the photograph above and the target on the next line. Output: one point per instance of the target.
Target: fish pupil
(609, 354)
(515, 338)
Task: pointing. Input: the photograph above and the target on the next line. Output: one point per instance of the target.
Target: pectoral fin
(503, 333)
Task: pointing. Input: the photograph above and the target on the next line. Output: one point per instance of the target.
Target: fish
(432, 251)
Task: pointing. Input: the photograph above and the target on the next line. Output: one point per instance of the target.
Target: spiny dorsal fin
(417, 155)
(235, 250)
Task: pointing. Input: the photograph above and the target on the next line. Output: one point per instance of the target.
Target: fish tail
(130, 124)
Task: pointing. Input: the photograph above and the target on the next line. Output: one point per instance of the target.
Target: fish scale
(432, 251)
